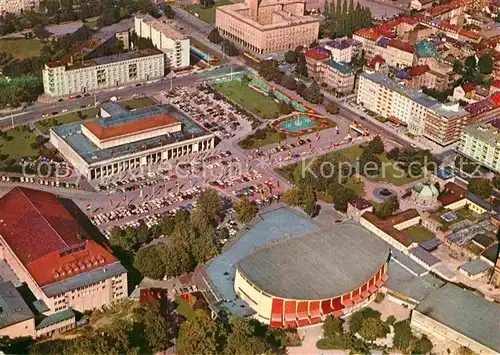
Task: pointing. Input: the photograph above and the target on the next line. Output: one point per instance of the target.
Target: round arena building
(300, 280)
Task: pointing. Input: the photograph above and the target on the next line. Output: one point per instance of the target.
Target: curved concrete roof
(426, 190)
(317, 265)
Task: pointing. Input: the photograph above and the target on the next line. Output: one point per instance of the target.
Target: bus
(251, 57)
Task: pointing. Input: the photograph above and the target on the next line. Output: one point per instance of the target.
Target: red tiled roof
(496, 99)
(368, 34)
(468, 87)
(360, 203)
(418, 70)
(46, 238)
(130, 127)
(377, 59)
(403, 46)
(454, 193)
(470, 34)
(316, 54)
(496, 84)
(387, 224)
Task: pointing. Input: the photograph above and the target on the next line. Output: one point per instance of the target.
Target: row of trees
(343, 19)
(303, 197)
(191, 240)
(368, 324)
(227, 46)
(270, 71)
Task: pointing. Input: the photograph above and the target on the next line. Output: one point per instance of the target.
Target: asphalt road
(34, 113)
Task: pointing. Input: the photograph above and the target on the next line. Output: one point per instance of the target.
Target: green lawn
(207, 14)
(45, 125)
(357, 185)
(139, 103)
(20, 47)
(19, 146)
(418, 233)
(249, 99)
(184, 308)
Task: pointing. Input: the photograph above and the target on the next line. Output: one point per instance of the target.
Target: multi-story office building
(18, 6)
(174, 44)
(84, 76)
(481, 143)
(422, 114)
(267, 26)
(141, 139)
(48, 250)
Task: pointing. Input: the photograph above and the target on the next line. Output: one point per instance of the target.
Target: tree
(341, 195)
(269, 69)
(326, 9)
(291, 57)
(242, 339)
(373, 328)
(485, 64)
(210, 204)
(313, 93)
(245, 210)
(338, 9)
(357, 318)
(308, 201)
(199, 335)
(466, 165)
(470, 62)
(402, 335)
(292, 196)
(458, 67)
(393, 154)
(481, 187)
(332, 326)
(421, 346)
(391, 320)
(285, 108)
(332, 107)
(124, 239)
(463, 350)
(214, 36)
(375, 146)
(229, 48)
(150, 262)
(302, 66)
(369, 164)
(289, 82)
(155, 327)
(386, 208)
(169, 12)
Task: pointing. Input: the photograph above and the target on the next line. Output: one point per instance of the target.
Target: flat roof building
(460, 316)
(174, 44)
(16, 318)
(268, 25)
(133, 140)
(481, 143)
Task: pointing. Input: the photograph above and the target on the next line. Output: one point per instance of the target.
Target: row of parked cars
(39, 181)
(236, 179)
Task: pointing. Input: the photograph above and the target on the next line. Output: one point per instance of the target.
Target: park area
(15, 145)
(418, 234)
(21, 47)
(206, 14)
(44, 126)
(142, 102)
(249, 99)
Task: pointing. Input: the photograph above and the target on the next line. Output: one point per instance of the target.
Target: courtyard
(141, 102)
(44, 126)
(418, 233)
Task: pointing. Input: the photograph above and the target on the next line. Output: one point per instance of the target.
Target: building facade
(480, 142)
(174, 44)
(52, 254)
(267, 26)
(141, 139)
(60, 79)
(422, 114)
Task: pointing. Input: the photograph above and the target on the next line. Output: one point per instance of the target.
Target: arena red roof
(45, 236)
(130, 127)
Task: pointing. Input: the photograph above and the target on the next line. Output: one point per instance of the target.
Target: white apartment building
(174, 44)
(343, 49)
(60, 79)
(481, 143)
(422, 114)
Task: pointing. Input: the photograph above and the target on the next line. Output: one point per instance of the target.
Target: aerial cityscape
(250, 177)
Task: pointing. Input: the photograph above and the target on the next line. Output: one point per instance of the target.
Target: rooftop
(453, 193)
(401, 45)
(73, 136)
(425, 49)
(46, 238)
(123, 125)
(317, 265)
(387, 224)
(317, 53)
(485, 131)
(162, 27)
(368, 34)
(13, 307)
(479, 107)
(426, 189)
(341, 43)
(476, 266)
(271, 226)
(341, 67)
(465, 312)
(360, 203)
